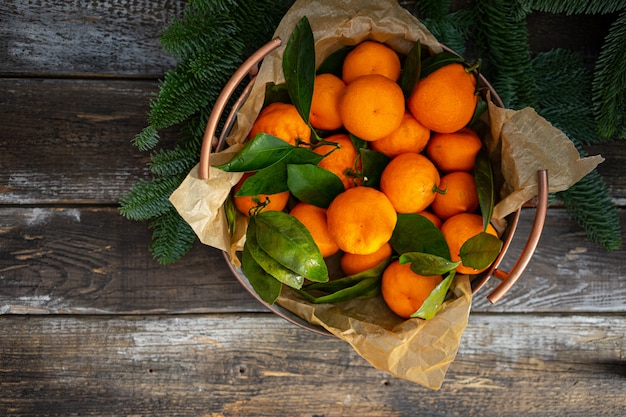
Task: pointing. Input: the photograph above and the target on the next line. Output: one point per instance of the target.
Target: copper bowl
(211, 143)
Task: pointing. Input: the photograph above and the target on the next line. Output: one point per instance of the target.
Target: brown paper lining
(520, 143)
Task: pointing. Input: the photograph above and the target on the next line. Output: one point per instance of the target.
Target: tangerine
(445, 100)
(370, 57)
(246, 203)
(458, 195)
(352, 264)
(454, 151)
(314, 219)
(361, 220)
(283, 121)
(324, 114)
(372, 107)
(404, 291)
(410, 136)
(341, 160)
(410, 182)
(457, 230)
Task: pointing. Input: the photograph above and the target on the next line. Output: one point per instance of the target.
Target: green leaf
(415, 233)
(373, 163)
(299, 67)
(362, 289)
(483, 176)
(427, 264)
(270, 180)
(276, 93)
(411, 70)
(480, 251)
(273, 179)
(481, 107)
(431, 305)
(313, 184)
(260, 152)
(269, 264)
(333, 64)
(289, 242)
(337, 284)
(265, 285)
(434, 62)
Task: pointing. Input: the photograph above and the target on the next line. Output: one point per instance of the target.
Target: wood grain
(84, 260)
(113, 38)
(70, 140)
(232, 365)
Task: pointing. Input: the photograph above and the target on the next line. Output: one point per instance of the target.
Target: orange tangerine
(342, 160)
(372, 107)
(325, 102)
(457, 230)
(410, 182)
(283, 121)
(458, 195)
(314, 219)
(445, 100)
(404, 291)
(454, 151)
(244, 204)
(361, 220)
(370, 57)
(410, 136)
(353, 264)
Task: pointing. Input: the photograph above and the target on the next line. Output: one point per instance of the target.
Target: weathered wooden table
(91, 325)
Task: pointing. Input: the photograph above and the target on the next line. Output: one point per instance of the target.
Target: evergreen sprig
(210, 40)
(609, 83)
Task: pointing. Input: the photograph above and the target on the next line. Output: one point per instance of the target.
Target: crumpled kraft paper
(416, 350)
(526, 143)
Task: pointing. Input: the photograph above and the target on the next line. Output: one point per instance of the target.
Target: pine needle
(172, 237)
(609, 83)
(589, 204)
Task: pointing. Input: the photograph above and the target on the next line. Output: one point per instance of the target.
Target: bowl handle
(509, 278)
(249, 66)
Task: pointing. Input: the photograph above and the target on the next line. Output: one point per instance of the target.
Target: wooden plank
(77, 260)
(69, 141)
(117, 38)
(91, 260)
(231, 365)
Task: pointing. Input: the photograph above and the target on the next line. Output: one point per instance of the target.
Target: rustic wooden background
(90, 325)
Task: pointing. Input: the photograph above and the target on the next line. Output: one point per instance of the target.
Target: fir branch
(452, 30)
(433, 9)
(172, 237)
(589, 204)
(564, 94)
(191, 86)
(195, 33)
(574, 6)
(149, 199)
(172, 162)
(609, 83)
(147, 139)
(502, 42)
